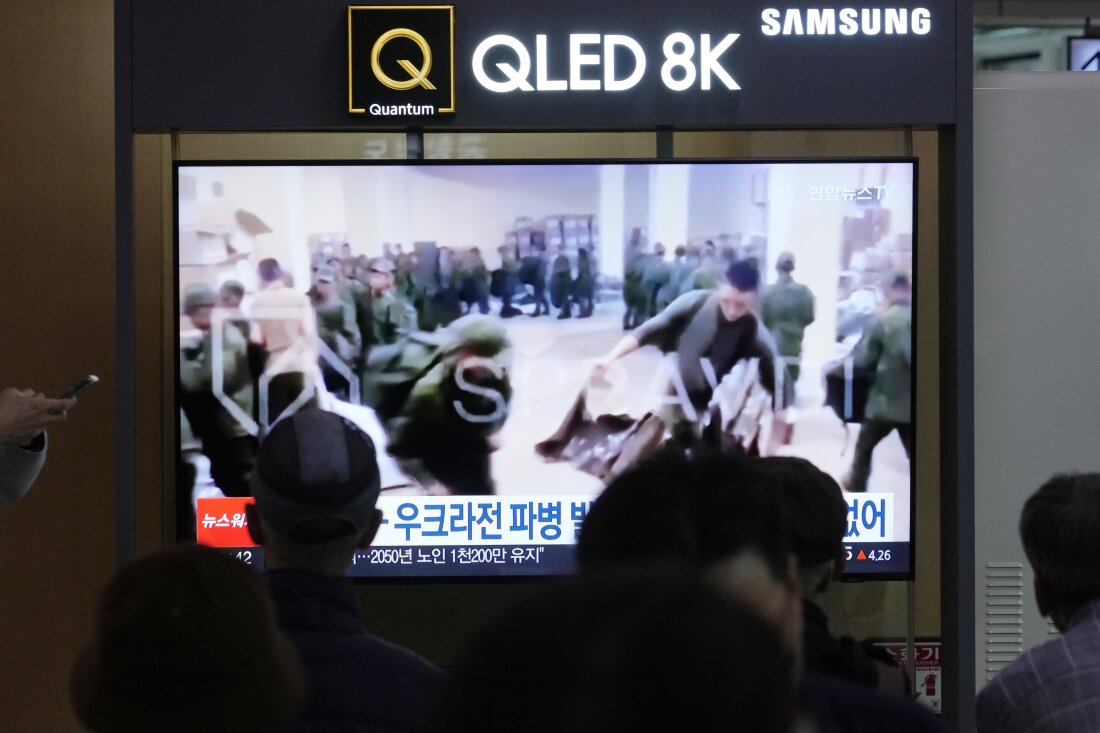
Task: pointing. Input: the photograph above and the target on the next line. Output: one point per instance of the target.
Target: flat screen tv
(463, 314)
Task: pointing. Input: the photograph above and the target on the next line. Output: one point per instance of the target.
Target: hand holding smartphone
(78, 386)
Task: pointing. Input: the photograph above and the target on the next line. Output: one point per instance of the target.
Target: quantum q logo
(417, 77)
(401, 60)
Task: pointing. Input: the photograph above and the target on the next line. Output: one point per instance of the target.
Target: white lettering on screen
(846, 21)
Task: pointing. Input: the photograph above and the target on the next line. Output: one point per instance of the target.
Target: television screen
(513, 335)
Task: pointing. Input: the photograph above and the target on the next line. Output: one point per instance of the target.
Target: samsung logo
(845, 22)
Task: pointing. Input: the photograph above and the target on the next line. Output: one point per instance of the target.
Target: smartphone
(79, 386)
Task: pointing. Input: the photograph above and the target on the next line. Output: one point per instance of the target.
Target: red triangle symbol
(861, 556)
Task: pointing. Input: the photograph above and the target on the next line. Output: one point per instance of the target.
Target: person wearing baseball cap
(316, 484)
(817, 523)
(185, 641)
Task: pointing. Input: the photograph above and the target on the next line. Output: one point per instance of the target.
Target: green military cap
(785, 263)
(382, 265)
(198, 296)
(478, 334)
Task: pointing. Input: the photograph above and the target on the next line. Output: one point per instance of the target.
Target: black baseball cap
(316, 477)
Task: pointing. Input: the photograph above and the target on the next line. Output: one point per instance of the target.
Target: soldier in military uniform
(561, 283)
(391, 317)
(633, 293)
(337, 329)
(584, 287)
(474, 288)
(424, 286)
(711, 270)
(787, 309)
(533, 271)
(228, 445)
(886, 350)
(654, 277)
(443, 397)
(506, 281)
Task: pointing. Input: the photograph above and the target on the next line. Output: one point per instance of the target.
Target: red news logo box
(222, 522)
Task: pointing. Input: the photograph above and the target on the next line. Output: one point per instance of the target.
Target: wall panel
(57, 322)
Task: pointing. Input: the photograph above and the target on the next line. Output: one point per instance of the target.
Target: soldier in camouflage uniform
(337, 329)
(474, 288)
(391, 317)
(655, 276)
(561, 283)
(633, 293)
(443, 397)
(228, 445)
(584, 287)
(887, 351)
(787, 309)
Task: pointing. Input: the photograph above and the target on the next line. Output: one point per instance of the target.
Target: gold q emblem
(417, 77)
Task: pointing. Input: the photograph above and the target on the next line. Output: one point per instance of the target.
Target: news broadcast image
(512, 336)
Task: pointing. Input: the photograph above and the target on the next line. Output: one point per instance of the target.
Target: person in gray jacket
(24, 416)
(709, 331)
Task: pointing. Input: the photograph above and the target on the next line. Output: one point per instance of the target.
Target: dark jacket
(689, 325)
(838, 707)
(887, 350)
(357, 682)
(841, 658)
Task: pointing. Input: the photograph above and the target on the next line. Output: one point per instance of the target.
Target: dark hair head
(1060, 531)
(680, 250)
(652, 651)
(270, 270)
(743, 276)
(900, 281)
(696, 509)
(816, 510)
(178, 626)
(234, 287)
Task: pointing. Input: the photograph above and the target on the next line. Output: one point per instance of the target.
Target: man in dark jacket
(818, 521)
(709, 332)
(720, 514)
(316, 483)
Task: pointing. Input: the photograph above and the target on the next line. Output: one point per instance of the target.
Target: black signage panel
(614, 64)
(401, 60)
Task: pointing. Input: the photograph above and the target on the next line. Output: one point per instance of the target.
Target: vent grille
(1004, 615)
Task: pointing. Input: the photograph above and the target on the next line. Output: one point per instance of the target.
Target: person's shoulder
(400, 660)
(1028, 674)
(692, 299)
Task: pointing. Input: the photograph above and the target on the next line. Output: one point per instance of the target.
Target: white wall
(1036, 259)
(434, 203)
(721, 200)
